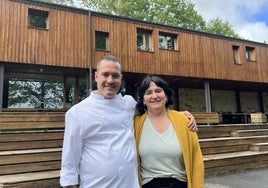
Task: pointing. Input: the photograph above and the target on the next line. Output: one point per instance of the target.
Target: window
(167, 41)
(144, 39)
(236, 55)
(101, 40)
(35, 91)
(250, 54)
(38, 18)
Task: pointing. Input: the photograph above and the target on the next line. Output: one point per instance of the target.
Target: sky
(248, 18)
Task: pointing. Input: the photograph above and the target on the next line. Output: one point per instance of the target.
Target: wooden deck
(30, 149)
(234, 147)
(31, 143)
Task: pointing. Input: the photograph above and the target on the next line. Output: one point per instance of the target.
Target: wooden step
(12, 162)
(229, 144)
(235, 161)
(45, 179)
(252, 132)
(30, 167)
(31, 144)
(26, 156)
(259, 147)
(14, 136)
(31, 117)
(31, 125)
(216, 131)
(30, 140)
(30, 149)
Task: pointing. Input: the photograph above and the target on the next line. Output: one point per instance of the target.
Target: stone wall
(249, 102)
(221, 100)
(192, 100)
(265, 102)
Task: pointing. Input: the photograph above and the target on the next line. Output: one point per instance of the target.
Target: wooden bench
(229, 144)
(206, 117)
(235, 161)
(207, 131)
(30, 149)
(250, 132)
(259, 146)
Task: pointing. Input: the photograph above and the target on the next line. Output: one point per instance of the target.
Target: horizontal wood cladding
(63, 43)
(68, 39)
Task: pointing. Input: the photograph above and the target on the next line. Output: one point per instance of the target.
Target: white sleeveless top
(160, 153)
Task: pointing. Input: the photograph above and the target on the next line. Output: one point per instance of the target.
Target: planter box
(258, 118)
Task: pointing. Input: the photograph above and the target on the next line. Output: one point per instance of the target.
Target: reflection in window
(29, 93)
(167, 41)
(75, 90)
(70, 91)
(144, 39)
(82, 94)
(37, 18)
(43, 91)
(101, 40)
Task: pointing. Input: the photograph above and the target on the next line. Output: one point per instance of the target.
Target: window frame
(105, 40)
(146, 36)
(165, 36)
(38, 19)
(236, 55)
(250, 53)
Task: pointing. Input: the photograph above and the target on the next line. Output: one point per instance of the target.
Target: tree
(61, 2)
(178, 13)
(219, 27)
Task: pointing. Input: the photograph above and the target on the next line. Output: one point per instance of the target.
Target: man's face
(108, 78)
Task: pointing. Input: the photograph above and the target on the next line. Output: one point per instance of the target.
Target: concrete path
(255, 178)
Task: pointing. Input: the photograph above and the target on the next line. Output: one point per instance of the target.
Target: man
(99, 143)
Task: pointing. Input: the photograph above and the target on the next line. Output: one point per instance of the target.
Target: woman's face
(154, 97)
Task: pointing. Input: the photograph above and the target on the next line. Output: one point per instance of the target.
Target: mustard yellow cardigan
(189, 144)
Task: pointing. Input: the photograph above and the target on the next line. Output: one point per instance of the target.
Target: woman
(169, 153)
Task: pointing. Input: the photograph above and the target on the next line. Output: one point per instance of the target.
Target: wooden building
(49, 52)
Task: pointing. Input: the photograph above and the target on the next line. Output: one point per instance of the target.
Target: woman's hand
(192, 124)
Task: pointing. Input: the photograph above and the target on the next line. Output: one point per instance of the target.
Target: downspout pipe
(207, 96)
(1, 85)
(90, 39)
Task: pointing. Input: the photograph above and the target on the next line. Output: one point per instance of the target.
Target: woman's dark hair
(145, 84)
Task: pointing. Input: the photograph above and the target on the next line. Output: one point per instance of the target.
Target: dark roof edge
(85, 11)
(53, 5)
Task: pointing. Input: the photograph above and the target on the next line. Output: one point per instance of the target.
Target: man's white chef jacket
(99, 144)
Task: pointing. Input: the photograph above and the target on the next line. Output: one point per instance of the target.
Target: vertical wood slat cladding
(199, 56)
(65, 43)
(262, 55)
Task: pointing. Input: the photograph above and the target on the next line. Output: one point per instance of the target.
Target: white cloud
(254, 31)
(239, 13)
